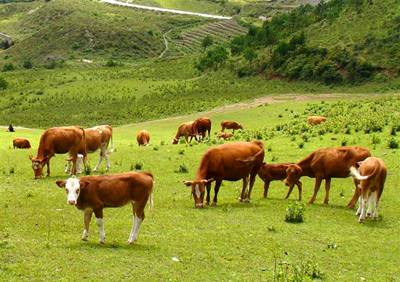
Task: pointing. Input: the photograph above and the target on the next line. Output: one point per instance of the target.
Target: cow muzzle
(72, 202)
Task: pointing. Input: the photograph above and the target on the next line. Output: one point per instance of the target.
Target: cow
(201, 127)
(58, 140)
(11, 128)
(143, 138)
(230, 125)
(21, 143)
(371, 174)
(232, 162)
(271, 172)
(325, 164)
(97, 137)
(314, 120)
(224, 135)
(93, 193)
(185, 130)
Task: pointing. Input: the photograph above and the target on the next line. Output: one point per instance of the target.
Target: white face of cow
(72, 187)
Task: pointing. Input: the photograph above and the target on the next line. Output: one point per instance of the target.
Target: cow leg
(364, 198)
(358, 212)
(289, 191)
(48, 167)
(243, 195)
(375, 212)
(138, 217)
(355, 197)
(100, 160)
(316, 188)
(216, 190)
(87, 216)
(300, 188)
(67, 167)
(106, 155)
(327, 188)
(208, 188)
(266, 187)
(252, 180)
(100, 223)
(371, 204)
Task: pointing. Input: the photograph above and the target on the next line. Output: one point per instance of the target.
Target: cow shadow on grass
(93, 245)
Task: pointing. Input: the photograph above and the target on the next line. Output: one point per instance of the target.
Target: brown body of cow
(201, 127)
(93, 193)
(326, 164)
(58, 140)
(314, 120)
(230, 125)
(372, 175)
(21, 143)
(224, 135)
(232, 162)
(185, 130)
(271, 172)
(143, 138)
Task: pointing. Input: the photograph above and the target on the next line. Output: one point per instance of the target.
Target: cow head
(293, 174)
(73, 187)
(37, 166)
(175, 141)
(198, 188)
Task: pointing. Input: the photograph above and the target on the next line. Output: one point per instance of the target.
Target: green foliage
(306, 270)
(295, 212)
(182, 169)
(393, 143)
(207, 41)
(138, 165)
(8, 67)
(3, 83)
(213, 58)
(27, 64)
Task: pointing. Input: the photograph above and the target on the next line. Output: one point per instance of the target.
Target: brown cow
(314, 120)
(224, 135)
(232, 162)
(271, 172)
(185, 130)
(21, 143)
(143, 138)
(230, 125)
(372, 175)
(93, 193)
(201, 127)
(326, 164)
(58, 140)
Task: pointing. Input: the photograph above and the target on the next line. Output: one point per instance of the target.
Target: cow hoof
(131, 242)
(369, 214)
(247, 200)
(350, 206)
(102, 242)
(214, 204)
(361, 220)
(84, 239)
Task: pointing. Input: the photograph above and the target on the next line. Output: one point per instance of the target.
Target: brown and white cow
(314, 120)
(224, 135)
(58, 140)
(185, 130)
(372, 175)
(143, 138)
(232, 162)
(201, 127)
(326, 164)
(230, 125)
(93, 193)
(21, 143)
(271, 172)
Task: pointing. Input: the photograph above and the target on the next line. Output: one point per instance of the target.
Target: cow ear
(188, 183)
(210, 180)
(83, 184)
(61, 183)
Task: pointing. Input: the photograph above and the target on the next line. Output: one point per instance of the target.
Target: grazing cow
(58, 140)
(185, 130)
(143, 138)
(314, 120)
(224, 135)
(230, 125)
(372, 175)
(11, 128)
(326, 164)
(93, 193)
(271, 172)
(201, 127)
(21, 143)
(232, 162)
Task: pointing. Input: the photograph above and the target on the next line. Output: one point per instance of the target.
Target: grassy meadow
(40, 233)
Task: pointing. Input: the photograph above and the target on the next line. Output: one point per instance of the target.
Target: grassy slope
(40, 233)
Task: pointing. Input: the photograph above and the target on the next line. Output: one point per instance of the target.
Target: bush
(138, 165)
(207, 41)
(295, 212)
(3, 84)
(214, 58)
(393, 144)
(111, 63)
(182, 169)
(8, 67)
(27, 64)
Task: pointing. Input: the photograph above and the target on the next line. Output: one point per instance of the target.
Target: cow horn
(210, 180)
(187, 183)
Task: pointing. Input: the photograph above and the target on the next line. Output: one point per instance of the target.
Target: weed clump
(393, 144)
(182, 169)
(295, 212)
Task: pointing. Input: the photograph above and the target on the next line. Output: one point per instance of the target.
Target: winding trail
(165, 43)
(164, 10)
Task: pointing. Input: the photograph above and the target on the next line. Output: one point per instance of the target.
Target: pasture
(40, 233)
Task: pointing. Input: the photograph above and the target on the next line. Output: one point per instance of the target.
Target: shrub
(214, 58)
(182, 169)
(207, 41)
(27, 64)
(393, 144)
(111, 63)
(3, 84)
(295, 212)
(8, 67)
(138, 165)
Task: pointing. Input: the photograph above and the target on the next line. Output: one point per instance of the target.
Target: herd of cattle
(230, 161)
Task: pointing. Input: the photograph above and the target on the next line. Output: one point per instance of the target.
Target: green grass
(40, 233)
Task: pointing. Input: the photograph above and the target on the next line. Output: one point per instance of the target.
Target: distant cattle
(230, 125)
(372, 175)
(201, 127)
(11, 128)
(326, 164)
(224, 135)
(58, 140)
(271, 172)
(93, 193)
(185, 130)
(143, 138)
(21, 143)
(232, 162)
(314, 120)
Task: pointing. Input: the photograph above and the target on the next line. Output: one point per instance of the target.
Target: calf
(21, 143)
(201, 127)
(93, 193)
(372, 175)
(224, 135)
(185, 130)
(271, 172)
(232, 162)
(314, 120)
(230, 125)
(143, 138)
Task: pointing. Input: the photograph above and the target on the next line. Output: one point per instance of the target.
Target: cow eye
(66, 191)
(77, 191)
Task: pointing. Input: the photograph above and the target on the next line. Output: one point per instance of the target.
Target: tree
(214, 58)
(207, 41)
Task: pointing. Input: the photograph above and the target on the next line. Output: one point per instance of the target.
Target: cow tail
(354, 172)
(151, 195)
(254, 157)
(112, 144)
